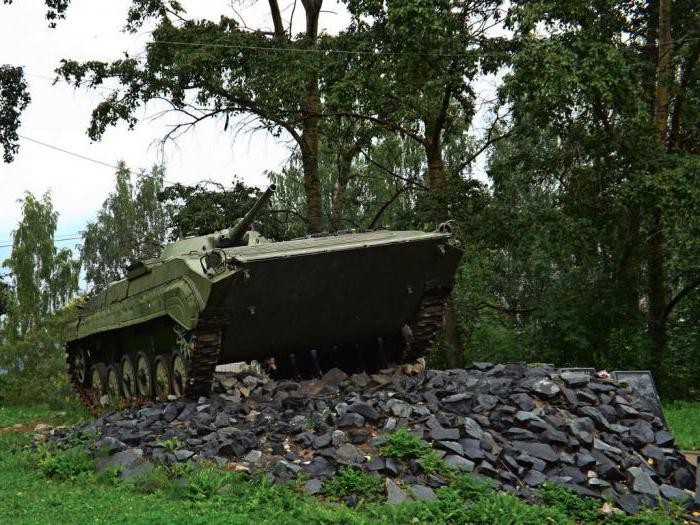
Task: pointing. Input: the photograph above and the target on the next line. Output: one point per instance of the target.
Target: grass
(28, 415)
(49, 485)
(684, 421)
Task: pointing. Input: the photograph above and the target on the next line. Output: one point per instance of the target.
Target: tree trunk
(437, 182)
(311, 108)
(657, 242)
(309, 158)
(341, 186)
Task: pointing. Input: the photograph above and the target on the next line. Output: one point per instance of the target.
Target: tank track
(426, 324)
(203, 361)
(81, 389)
(206, 345)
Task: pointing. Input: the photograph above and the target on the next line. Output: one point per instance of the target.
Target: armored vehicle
(355, 300)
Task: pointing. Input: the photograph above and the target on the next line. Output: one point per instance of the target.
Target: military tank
(353, 300)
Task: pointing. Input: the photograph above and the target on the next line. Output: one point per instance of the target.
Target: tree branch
(277, 19)
(505, 310)
(384, 206)
(679, 297)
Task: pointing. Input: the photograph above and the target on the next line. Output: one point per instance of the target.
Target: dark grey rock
(394, 493)
(254, 456)
(546, 388)
(450, 446)
(459, 463)
(642, 433)
(642, 482)
(582, 428)
(348, 454)
(523, 401)
(472, 429)
(338, 437)
(183, 454)
(351, 419)
(313, 486)
(534, 478)
(443, 434)
(675, 494)
(663, 438)
(120, 460)
(601, 445)
(422, 493)
(365, 410)
(109, 445)
(538, 450)
(321, 441)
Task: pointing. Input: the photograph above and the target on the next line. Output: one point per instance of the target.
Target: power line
(90, 159)
(55, 241)
(351, 52)
(57, 148)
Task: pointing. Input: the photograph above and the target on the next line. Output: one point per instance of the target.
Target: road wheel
(179, 374)
(114, 384)
(98, 382)
(80, 368)
(144, 375)
(128, 373)
(163, 377)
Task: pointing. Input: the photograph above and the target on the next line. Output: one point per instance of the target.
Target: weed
(351, 481)
(69, 464)
(203, 481)
(151, 481)
(170, 445)
(579, 508)
(403, 445)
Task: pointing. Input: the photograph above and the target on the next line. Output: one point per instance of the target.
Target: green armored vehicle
(353, 300)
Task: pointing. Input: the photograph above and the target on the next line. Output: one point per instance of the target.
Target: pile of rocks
(516, 424)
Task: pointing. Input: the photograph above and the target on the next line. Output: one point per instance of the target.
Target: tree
(43, 277)
(583, 178)
(5, 298)
(14, 94)
(223, 69)
(130, 226)
(208, 207)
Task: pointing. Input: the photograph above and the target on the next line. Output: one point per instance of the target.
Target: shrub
(351, 481)
(63, 465)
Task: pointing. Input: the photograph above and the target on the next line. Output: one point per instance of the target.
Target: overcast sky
(59, 115)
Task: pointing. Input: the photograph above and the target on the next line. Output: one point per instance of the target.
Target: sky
(59, 115)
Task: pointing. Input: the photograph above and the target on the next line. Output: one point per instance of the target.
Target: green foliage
(35, 367)
(170, 445)
(64, 465)
(203, 481)
(353, 481)
(14, 98)
(403, 445)
(131, 225)
(684, 422)
(43, 277)
(207, 207)
(576, 507)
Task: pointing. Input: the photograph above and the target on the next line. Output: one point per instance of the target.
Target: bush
(351, 481)
(35, 367)
(64, 465)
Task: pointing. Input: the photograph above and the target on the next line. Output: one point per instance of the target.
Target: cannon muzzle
(236, 233)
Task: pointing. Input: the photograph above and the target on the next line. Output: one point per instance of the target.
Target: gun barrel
(242, 226)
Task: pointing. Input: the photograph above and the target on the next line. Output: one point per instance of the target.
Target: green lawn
(47, 487)
(684, 420)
